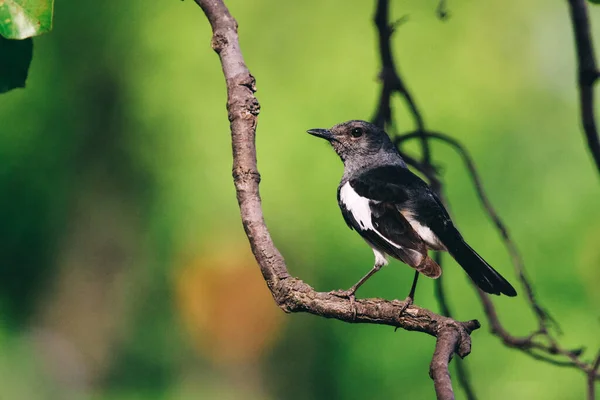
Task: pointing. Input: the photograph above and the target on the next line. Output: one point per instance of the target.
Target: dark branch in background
(543, 317)
(542, 344)
(390, 78)
(442, 10)
(393, 83)
(592, 377)
(291, 294)
(587, 74)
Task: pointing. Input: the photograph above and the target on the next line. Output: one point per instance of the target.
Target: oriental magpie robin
(396, 212)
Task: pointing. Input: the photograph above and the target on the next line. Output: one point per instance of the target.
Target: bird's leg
(349, 294)
(411, 295)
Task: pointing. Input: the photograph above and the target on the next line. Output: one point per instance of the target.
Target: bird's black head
(356, 139)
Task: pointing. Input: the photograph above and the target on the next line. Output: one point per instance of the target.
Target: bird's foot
(347, 294)
(407, 303)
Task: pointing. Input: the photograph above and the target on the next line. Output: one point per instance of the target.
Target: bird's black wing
(412, 196)
(400, 186)
(382, 224)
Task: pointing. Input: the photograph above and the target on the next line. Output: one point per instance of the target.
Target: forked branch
(542, 344)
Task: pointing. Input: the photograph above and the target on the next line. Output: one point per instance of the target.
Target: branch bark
(438, 370)
(292, 294)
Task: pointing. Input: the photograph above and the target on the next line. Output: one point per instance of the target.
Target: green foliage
(20, 19)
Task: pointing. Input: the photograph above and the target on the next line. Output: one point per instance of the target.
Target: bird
(396, 212)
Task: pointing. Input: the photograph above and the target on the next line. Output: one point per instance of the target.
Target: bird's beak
(322, 133)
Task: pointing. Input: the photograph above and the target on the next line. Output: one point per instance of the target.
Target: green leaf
(15, 57)
(20, 19)
(594, 1)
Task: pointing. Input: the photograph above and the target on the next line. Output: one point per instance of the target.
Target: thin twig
(592, 377)
(543, 317)
(391, 80)
(587, 74)
(393, 83)
(541, 344)
(442, 10)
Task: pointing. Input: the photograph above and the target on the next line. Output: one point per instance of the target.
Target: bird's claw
(407, 303)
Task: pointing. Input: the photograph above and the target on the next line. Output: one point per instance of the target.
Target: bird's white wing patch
(359, 207)
(424, 232)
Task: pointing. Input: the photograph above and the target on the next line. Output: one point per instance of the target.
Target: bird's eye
(356, 132)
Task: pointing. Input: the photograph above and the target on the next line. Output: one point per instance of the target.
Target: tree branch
(464, 378)
(587, 74)
(391, 79)
(291, 294)
(393, 83)
(438, 370)
(442, 10)
(592, 377)
(541, 344)
(543, 317)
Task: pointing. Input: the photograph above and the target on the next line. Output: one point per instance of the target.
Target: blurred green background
(125, 272)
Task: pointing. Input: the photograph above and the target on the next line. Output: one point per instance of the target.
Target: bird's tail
(484, 276)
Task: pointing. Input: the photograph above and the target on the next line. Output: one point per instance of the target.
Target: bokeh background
(124, 269)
